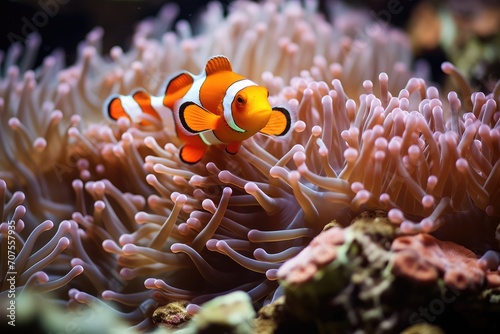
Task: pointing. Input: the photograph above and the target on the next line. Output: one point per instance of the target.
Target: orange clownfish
(216, 107)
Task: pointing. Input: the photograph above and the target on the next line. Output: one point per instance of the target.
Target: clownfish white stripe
(131, 107)
(157, 103)
(209, 138)
(193, 94)
(159, 107)
(228, 101)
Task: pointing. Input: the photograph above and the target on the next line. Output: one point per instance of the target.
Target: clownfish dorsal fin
(181, 81)
(279, 124)
(218, 64)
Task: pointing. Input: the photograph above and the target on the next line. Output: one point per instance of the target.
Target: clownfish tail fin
(131, 106)
(113, 108)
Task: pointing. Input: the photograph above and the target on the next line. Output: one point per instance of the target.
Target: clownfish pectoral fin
(192, 154)
(233, 148)
(218, 64)
(279, 124)
(114, 108)
(195, 118)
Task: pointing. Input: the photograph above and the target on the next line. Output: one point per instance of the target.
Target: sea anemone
(32, 261)
(148, 229)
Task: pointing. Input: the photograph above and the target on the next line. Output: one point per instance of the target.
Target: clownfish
(216, 107)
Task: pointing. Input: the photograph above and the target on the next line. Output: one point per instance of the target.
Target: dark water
(64, 23)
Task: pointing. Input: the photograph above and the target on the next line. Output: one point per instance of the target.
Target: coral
(340, 281)
(354, 279)
(424, 258)
(322, 250)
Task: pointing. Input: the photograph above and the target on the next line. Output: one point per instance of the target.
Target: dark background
(73, 19)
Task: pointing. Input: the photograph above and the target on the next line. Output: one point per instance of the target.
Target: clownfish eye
(240, 100)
